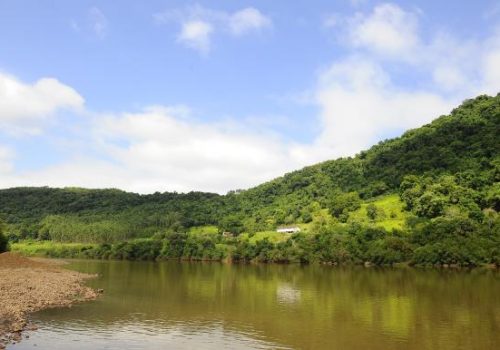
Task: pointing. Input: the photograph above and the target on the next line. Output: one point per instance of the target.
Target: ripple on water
(141, 335)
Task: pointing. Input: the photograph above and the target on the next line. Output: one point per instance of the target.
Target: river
(173, 305)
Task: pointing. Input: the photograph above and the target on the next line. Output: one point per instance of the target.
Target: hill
(442, 177)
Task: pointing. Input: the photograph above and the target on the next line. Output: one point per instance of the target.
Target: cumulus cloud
(199, 24)
(390, 34)
(247, 20)
(388, 30)
(24, 107)
(490, 65)
(158, 150)
(360, 100)
(196, 34)
(448, 77)
(360, 105)
(192, 154)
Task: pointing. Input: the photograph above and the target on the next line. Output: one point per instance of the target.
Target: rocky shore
(28, 285)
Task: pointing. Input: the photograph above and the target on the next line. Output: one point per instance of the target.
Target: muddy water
(175, 305)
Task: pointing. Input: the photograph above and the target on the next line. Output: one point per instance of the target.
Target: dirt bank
(28, 285)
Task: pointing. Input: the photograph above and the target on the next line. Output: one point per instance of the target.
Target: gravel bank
(29, 285)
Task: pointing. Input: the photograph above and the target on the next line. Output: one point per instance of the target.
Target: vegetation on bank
(444, 241)
(431, 196)
(4, 243)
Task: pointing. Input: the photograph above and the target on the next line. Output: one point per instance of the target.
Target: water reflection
(214, 306)
(287, 294)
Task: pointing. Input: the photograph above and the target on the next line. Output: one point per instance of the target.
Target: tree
(371, 211)
(344, 203)
(492, 197)
(306, 217)
(232, 224)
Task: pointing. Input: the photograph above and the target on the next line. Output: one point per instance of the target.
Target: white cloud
(490, 64)
(448, 77)
(362, 100)
(389, 34)
(25, 107)
(188, 154)
(491, 71)
(361, 105)
(157, 150)
(199, 24)
(388, 30)
(246, 20)
(196, 34)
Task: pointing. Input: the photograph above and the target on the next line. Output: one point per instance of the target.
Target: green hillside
(429, 196)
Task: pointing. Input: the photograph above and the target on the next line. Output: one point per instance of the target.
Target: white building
(288, 229)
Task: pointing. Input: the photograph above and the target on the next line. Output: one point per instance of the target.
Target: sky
(223, 95)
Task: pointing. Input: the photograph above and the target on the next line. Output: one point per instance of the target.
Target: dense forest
(431, 196)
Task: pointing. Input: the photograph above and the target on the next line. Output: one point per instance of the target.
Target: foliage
(52, 249)
(371, 211)
(4, 244)
(343, 203)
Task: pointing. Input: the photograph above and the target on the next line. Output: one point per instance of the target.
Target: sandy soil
(28, 285)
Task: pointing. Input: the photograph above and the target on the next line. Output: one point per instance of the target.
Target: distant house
(288, 229)
(227, 234)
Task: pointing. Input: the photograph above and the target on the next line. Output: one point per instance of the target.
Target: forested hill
(448, 167)
(465, 143)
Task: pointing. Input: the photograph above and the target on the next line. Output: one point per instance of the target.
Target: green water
(215, 306)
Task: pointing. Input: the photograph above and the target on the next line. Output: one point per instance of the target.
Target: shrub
(343, 203)
(4, 243)
(371, 211)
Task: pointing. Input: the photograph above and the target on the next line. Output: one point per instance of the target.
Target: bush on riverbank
(4, 243)
(52, 249)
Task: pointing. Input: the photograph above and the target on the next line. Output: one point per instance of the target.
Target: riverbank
(29, 285)
(323, 249)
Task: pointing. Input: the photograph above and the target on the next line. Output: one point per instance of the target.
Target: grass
(48, 248)
(391, 216)
(207, 229)
(272, 236)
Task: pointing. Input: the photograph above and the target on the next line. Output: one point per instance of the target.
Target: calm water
(212, 306)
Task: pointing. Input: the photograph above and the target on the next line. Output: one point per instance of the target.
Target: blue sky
(218, 95)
